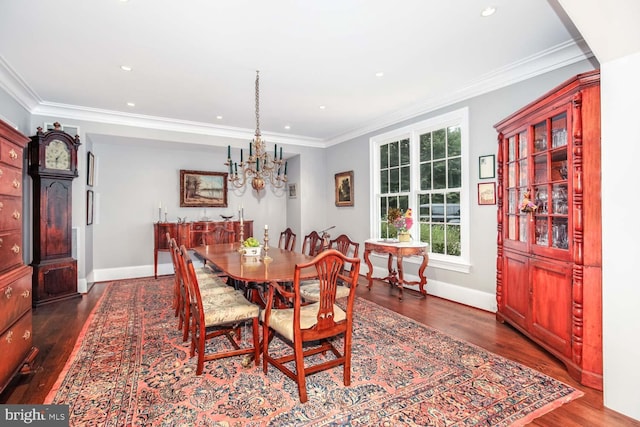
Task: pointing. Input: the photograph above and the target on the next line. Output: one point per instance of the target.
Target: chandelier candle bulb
(241, 156)
(250, 149)
(275, 151)
(280, 155)
(228, 152)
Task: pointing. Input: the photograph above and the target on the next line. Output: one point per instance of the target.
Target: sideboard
(190, 234)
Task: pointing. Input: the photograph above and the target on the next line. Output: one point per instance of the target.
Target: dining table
(274, 265)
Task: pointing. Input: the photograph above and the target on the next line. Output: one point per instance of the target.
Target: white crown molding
(166, 124)
(13, 84)
(543, 62)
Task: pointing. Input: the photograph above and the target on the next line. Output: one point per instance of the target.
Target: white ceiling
(193, 60)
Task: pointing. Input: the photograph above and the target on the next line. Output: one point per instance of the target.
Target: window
(423, 167)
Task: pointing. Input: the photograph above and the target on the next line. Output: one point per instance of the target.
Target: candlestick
(165, 216)
(266, 244)
(160, 214)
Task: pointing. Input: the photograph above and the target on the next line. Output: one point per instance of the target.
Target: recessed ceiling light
(379, 74)
(322, 107)
(488, 11)
(131, 104)
(219, 117)
(125, 68)
(287, 127)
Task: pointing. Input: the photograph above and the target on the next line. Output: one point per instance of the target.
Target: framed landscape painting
(344, 188)
(199, 189)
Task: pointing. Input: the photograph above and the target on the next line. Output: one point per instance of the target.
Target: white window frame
(412, 132)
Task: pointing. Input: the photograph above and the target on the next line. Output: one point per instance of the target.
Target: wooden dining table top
(280, 268)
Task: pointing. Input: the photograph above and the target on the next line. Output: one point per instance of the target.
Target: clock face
(57, 156)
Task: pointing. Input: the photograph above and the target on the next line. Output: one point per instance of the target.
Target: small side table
(398, 250)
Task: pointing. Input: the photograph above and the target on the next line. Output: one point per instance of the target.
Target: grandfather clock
(53, 164)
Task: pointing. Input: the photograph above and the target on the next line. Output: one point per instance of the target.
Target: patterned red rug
(130, 367)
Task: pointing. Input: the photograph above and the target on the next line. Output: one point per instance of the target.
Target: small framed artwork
(487, 166)
(344, 188)
(89, 207)
(487, 193)
(293, 190)
(200, 189)
(91, 168)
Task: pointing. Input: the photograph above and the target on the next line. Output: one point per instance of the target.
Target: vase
(404, 236)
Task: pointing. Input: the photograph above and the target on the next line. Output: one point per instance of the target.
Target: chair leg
(300, 374)
(200, 350)
(265, 347)
(256, 340)
(347, 358)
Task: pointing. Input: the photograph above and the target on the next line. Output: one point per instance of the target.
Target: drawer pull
(26, 335)
(1, 205)
(16, 183)
(13, 154)
(26, 293)
(15, 249)
(1, 172)
(1, 242)
(8, 292)
(16, 214)
(9, 337)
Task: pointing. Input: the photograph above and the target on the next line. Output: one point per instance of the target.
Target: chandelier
(260, 166)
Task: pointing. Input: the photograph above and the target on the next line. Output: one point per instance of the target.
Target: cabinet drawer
(10, 154)
(10, 213)
(15, 300)
(10, 181)
(15, 344)
(10, 249)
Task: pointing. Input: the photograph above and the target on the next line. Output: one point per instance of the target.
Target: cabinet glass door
(517, 184)
(550, 180)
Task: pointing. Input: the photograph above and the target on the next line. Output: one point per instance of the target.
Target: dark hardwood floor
(56, 327)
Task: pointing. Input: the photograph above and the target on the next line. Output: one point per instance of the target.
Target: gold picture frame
(344, 188)
(200, 189)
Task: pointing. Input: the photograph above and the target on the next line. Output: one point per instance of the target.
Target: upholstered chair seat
(281, 320)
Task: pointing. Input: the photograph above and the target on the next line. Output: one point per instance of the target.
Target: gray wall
(476, 288)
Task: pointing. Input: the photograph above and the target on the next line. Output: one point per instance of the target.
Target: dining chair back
(308, 328)
(219, 234)
(310, 289)
(312, 244)
(287, 240)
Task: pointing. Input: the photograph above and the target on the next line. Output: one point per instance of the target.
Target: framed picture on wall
(91, 168)
(487, 193)
(89, 207)
(487, 167)
(344, 188)
(293, 190)
(199, 189)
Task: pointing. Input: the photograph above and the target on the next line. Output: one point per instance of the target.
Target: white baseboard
(471, 297)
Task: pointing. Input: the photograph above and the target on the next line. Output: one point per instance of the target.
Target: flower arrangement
(401, 221)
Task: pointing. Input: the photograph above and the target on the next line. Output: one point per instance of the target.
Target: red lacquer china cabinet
(549, 274)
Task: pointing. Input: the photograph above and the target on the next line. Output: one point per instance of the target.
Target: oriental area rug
(131, 368)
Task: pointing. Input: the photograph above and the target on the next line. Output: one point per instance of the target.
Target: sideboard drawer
(10, 154)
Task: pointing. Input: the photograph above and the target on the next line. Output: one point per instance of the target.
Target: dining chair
(309, 329)
(310, 289)
(287, 240)
(210, 287)
(312, 244)
(222, 316)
